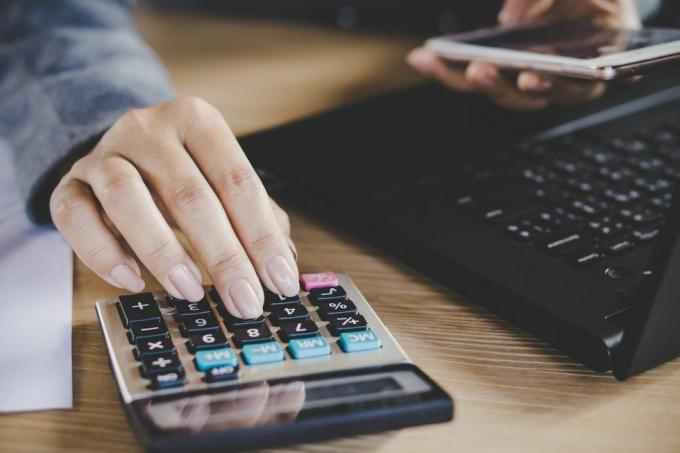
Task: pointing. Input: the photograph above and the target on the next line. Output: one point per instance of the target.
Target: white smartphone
(567, 49)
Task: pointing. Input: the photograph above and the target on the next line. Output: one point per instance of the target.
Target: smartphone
(568, 49)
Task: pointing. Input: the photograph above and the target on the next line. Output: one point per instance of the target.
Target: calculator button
(328, 309)
(287, 313)
(153, 346)
(232, 322)
(210, 340)
(212, 358)
(158, 364)
(214, 295)
(192, 324)
(335, 293)
(147, 329)
(221, 373)
(257, 354)
(137, 307)
(346, 323)
(318, 280)
(184, 307)
(166, 380)
(302, 348)
(254, 334)
(290, 330)
(359, 341)
(272, 300)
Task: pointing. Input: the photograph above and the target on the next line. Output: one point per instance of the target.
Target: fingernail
(123, 276)
(533, 82)
(245, 299)
(483, 77)
(420, 59)
(283, 277)
(185, 281)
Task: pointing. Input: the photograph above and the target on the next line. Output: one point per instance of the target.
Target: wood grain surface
(512, 392)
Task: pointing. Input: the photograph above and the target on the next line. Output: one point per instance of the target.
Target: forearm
(70, 69)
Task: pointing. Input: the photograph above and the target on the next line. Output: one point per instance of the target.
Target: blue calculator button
(359, 341)
(302, 348)
(212, 358)
(256, 354)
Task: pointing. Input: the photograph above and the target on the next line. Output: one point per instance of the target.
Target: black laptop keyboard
(579, 198)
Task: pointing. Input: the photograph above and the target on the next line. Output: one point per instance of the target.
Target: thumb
(515, 12)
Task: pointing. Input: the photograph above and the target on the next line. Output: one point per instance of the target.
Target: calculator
(315, 366)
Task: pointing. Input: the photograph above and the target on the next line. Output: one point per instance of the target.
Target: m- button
(137, 308)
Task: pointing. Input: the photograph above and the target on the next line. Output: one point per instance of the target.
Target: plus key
(137, 308)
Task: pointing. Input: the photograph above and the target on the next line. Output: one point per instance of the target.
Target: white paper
(36, 286)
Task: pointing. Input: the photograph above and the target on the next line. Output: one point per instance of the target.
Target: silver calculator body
(286, 387)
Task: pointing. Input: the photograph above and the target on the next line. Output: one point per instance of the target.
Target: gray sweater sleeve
(68, 70)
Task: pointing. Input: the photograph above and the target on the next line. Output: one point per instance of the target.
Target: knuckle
(265, 243)
(160, 250)
(134, 119)
(196, 106)
(114, 186)
(189, 196)
(240, 182)
(226, 263)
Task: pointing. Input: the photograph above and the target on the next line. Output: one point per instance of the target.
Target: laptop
(564, 222)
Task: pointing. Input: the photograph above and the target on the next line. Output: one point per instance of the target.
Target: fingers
(284, 223)
(76, 214)
(517, 12)
(127, 202)
(488, 80)
(560, 90)
(427, 63)
(216, 151)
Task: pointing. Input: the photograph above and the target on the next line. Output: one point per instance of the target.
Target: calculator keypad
(219, 345)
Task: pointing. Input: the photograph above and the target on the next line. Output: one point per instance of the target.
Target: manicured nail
(185, 281)
(421, 60)
(283, 277)
(245, 299)
(533, 82)
(123, 276)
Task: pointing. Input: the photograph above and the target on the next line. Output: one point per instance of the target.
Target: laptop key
(137, 307)
(646, 234)
(585, 257)
(618, 247)
(563, 244)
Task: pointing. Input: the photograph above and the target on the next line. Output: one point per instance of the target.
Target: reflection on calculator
(314, 366)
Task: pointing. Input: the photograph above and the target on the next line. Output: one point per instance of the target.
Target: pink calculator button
(318, 280)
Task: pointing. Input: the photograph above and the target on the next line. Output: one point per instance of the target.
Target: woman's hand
(530, 90)
(177, 163)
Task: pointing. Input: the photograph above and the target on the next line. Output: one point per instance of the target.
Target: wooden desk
(513, 393)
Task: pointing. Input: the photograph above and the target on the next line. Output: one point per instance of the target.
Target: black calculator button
(137, 307)
(333, 293)
(184, 307)
(291, 330)
(272, 300)
(288, 313)
(232, 322)
(208, 340)
(346, 323)
(221, 373)
(166, 380)
(147, 329)
(252, 334)
(203, 323)
(159, 364)
(328, 309)
(153, 346)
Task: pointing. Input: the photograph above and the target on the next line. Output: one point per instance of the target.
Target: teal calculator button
(212, 358)
(359, 341)
(256, 354)
(302, 348)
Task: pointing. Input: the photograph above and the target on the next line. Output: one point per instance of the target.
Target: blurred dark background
(405, 16)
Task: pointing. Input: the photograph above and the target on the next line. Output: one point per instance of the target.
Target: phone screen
(574, 40)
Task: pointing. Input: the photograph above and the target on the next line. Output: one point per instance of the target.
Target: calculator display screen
(251, 405)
